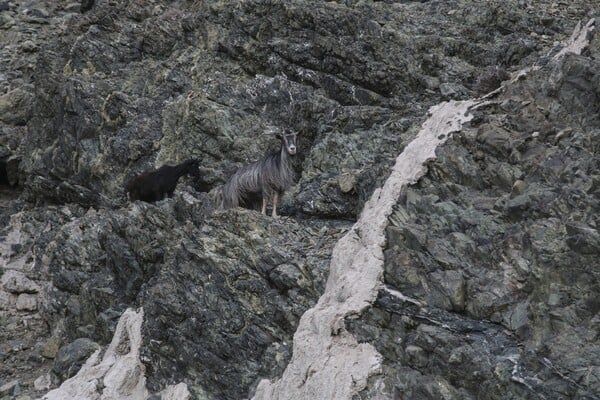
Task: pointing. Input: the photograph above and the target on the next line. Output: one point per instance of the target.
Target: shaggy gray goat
(267, 178)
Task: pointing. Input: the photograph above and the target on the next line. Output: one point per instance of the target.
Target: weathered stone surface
(520, 269)
(108, 89)
(71, 357)
(255, 304)
(10, 388)
(43, 383)
(15, 107)
(241, 270)
(328, 361)
(5, 300)
(118, 374)
(50, 347)
(27, 302)
(17, 282)
(24, 327)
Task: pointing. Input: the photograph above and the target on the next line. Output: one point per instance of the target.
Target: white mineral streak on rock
(328, 362)
(119, 375)
(579, 40)
(403, 297)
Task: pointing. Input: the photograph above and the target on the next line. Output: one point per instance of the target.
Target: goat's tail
(230, 193)
(216, 196)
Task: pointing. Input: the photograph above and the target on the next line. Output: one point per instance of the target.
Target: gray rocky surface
(117, 373)
(504, 278)
(491, 264)
(70, 357)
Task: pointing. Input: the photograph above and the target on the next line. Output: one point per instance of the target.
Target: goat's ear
(278, 135)
(300, 132)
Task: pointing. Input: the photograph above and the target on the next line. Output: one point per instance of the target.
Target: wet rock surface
(498, 244)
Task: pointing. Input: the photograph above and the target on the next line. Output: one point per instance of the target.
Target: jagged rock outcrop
(118, 373)
(490, 263)
(491, 269)
(328, 361)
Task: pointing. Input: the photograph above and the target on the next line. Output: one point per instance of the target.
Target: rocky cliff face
(479, 273)
(494, 252)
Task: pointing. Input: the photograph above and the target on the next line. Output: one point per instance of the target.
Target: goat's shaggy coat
(152, 186)
(268, 178)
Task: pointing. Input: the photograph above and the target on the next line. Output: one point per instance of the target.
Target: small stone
(554, 299)
(455, 287)
(457, 355)
(479, 155)
(71, 357)
(27, 302)
(564, 133)
(518, 187)
(447, 90)
(452, 90)
(519, 204)
(347, 182)
(287, 276)
(51, 347)
(431, 82)
(16, 345)
(16, 282)
(490, 79)
(518, 317)
(11, 388)
(29, 46)
(416, 355)
(15, 106)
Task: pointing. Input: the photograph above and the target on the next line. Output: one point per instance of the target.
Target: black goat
(152, 186)
(267, 178)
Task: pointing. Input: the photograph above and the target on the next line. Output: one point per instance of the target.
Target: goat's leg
(275, 200)
(264, 205)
